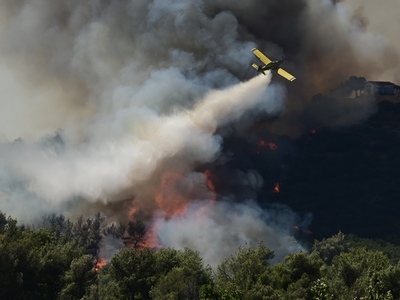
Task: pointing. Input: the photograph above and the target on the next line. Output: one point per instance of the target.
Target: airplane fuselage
(273, 65)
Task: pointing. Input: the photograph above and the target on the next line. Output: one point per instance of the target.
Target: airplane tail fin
(258, 68)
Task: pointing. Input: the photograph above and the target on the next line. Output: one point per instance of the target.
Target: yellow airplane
(270, 65)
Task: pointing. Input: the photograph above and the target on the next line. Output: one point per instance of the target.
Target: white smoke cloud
(121, 81)
(103, 167)
(216, 229)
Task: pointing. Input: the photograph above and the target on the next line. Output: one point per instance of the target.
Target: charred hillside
(335, 179)
(348, 178)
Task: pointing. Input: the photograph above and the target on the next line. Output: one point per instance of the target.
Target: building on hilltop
(381, 88)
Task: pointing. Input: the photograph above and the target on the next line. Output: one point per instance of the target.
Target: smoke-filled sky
(105, 103)
(382, 20)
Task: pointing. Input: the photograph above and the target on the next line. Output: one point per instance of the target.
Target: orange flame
(99, 264)
(172, 199)
(168, 198)
(210, 185)
(277, 187)
(151, 239)
(305, 231)
(262, 144)
(133, 210)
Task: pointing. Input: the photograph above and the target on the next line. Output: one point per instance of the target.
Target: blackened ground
(347, 178)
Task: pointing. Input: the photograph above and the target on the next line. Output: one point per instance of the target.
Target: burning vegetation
(100, 264)
(262, 145)
(147, 95)
(277, 187)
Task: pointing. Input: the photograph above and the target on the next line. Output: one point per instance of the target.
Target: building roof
(381, 82)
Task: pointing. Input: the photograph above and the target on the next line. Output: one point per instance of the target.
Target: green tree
(241, 275)
(167, 259)
(132, 233)
(320, 290)
(351, 273)
(14, 264)
(185, 278)
(78, 279)
(135, 273)
(3, 222)
(108, 287)
(60, 227)
(296, 275)
(136, 231)
(53, 261)
(88, 233)
(387, 281)
(32, 264)
(328, 248)
(392, 251)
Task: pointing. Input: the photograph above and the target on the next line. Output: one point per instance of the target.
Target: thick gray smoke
(106, 99)
(216, 229)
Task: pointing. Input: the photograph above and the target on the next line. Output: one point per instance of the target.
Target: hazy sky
(383, 18)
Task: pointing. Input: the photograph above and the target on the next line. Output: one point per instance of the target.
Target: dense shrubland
(60, 260)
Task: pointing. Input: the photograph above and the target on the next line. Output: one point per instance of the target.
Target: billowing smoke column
(113, 100)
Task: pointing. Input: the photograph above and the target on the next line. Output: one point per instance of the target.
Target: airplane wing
(261, 56)
(285, 74)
